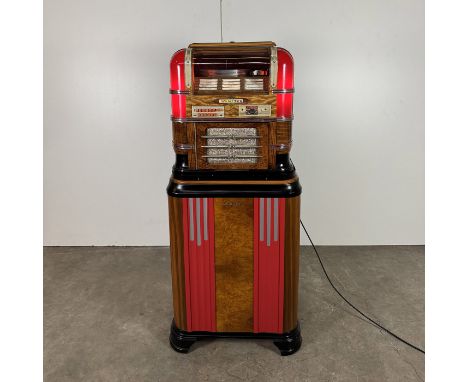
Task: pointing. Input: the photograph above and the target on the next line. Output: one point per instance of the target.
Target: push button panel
(255, 110)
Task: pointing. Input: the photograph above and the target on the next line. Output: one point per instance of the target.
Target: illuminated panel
(285, 82)
(178, 84)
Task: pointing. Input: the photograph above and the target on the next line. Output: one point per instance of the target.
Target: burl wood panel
(231, 110)
(291, 263)
(177, 261)
(234, 258)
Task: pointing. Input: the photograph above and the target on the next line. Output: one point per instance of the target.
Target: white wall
(358, 129)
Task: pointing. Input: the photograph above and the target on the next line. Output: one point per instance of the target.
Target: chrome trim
(178, 91)
(221, 119)
(284, 119)
(281, 146)
(231, 136)
(182, 146)
(231, 147)
(232, 156)
(198, 221)
(190, 203)
(261, 224)
(282, 91)
(188, 68)
(205, 218)
(275, 219)
(178, 120)
(273, 67)
(268, 217)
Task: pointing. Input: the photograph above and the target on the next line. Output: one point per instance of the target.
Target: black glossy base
(287, 343)
(243, 190)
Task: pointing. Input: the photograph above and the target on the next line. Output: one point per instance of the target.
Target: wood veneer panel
(230, 110)
(192, 155)
(234, 257)
(283, 132)
(272, 141)
(283, 135)
(177, 261)
(291, 263)
(179, 136)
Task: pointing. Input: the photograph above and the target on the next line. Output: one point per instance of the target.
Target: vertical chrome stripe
(188, 68)
(268, 233)
(273, 66)
(198, 221)
(190, 208)
(261, 219)
(205, 218)
(275, 219)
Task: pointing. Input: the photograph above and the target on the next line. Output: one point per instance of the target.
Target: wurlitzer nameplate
(234, 196)
(231, 100)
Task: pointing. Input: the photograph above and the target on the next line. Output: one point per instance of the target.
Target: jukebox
(234, 195)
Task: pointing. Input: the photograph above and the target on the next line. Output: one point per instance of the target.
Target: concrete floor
(107, 312)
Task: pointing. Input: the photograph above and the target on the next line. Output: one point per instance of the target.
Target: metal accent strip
(268, 217)
(220, 119)
(282, 91)
(232, 147)
(231, 137)
(190, 203)
(273, 66)
(198, 222)
(232, 156)
(275, 219)
(261, 219)
(178, 91)
(205, 218)
(188, 68)
(284, 119)
(281, 146)
(183, 146)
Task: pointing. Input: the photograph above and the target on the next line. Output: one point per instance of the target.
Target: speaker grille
(231, 145)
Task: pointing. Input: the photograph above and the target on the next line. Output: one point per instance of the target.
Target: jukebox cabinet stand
(234, 196)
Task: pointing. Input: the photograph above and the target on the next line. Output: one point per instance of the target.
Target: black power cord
(350, 304)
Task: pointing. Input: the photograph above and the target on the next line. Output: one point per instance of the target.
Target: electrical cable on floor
(350, 304)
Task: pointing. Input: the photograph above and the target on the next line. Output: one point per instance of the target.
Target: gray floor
(107, 312)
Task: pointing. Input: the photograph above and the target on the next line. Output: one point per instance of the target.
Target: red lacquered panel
(268, 264)
(199, 263)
